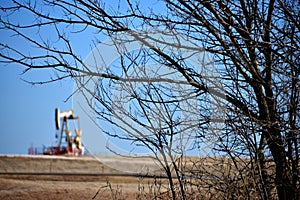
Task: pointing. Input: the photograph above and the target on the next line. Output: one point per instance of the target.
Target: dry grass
(66, 187)
(207, 178)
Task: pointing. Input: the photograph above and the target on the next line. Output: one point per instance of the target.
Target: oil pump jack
(67, 143)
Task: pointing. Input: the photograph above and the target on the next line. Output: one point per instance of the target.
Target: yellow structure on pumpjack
(73, 142)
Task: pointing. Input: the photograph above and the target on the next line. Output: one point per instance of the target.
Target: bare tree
(255, 46)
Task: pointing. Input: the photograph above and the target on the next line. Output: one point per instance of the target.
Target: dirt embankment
(22, 186)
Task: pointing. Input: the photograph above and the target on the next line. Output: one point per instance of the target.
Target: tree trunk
(283, 180)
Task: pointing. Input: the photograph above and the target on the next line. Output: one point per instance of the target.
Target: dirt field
(22, 186)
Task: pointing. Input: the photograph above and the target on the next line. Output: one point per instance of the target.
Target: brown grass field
(115, 177)
(65, 184)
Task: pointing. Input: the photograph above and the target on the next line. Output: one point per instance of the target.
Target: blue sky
(27, 111)
(27, 114)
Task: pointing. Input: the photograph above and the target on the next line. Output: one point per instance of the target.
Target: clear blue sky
(27, 112)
